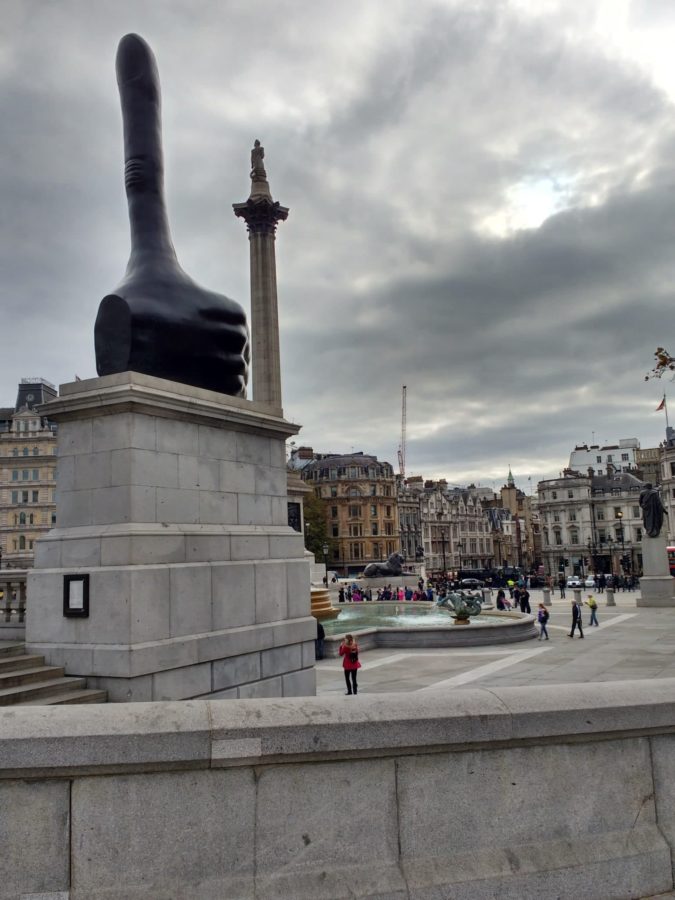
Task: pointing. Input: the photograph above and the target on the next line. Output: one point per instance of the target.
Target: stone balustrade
(546, 791)
(12, 604)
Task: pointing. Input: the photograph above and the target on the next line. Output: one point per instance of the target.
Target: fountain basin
(419, 625)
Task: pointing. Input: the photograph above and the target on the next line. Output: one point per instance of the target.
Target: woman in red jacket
(349, 651)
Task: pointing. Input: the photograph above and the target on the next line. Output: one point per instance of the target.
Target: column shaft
(266, 362)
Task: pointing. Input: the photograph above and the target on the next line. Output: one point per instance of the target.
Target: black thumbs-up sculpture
(158, 321)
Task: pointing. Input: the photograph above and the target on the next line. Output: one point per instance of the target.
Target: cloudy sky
(481, 195)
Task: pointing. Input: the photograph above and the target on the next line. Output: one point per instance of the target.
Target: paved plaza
(629, 643)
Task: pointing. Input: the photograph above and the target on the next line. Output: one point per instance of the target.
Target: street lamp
(619, 516)
(324, 550)
(443, 541)
(459, 554)
(610, 544)
(591, 556)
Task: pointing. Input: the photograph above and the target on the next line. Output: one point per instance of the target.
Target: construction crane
(401, 449)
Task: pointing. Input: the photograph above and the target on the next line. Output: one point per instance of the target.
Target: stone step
(8, 648)
(15, 695)
(90, 695)
(29, 676)
(27, 661)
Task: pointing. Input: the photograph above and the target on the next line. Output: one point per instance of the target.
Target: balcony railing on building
(12, 604)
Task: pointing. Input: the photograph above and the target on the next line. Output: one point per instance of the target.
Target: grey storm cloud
(404, 138)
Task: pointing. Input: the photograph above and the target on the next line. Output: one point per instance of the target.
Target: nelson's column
(261, 214)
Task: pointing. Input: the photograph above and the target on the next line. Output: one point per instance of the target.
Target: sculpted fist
(158, 320)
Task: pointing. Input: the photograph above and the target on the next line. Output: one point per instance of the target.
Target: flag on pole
(662, 404)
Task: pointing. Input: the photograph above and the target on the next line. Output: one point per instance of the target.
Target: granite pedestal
(173, 500)
(657, 587)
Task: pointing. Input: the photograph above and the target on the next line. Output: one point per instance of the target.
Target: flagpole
(665, 408)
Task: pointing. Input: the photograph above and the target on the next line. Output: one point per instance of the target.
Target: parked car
(574, 581)
(590, 582)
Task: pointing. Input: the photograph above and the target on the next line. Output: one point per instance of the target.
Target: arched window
(25, 451)
(30, 519)
(22, 543)
(22, 518)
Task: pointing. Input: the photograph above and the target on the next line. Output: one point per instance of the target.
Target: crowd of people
(355, 594)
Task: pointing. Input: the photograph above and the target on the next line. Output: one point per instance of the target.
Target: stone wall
(545, 792)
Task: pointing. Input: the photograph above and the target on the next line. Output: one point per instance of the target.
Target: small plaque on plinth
(76, 596)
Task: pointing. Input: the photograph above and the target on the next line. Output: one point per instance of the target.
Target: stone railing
(546, 792)
(12, 604)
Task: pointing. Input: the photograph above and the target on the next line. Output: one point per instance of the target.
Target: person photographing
(349, 651)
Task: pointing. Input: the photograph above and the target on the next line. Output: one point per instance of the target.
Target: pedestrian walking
(576, 619)
(602, 583)
(349, 651)
(525, 601)
(592, 604)
(542, 618)
(318, 644)
(561, 586)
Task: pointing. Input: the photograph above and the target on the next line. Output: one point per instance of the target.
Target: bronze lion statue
(393, 566)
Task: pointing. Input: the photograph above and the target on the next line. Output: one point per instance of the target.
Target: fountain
(461, 605)
(414, 624)
(321, 603)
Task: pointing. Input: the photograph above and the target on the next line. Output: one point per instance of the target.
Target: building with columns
(591, 523)
(455, 534)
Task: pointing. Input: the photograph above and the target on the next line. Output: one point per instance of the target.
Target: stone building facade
(361, 506)
(410, 524)
(27, 473)
(591, 523)
(620, 457)
(455, 534)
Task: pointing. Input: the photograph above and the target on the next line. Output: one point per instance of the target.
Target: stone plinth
(173, 500)
(656, 585)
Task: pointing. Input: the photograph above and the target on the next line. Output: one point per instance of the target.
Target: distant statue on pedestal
(258, 172)
(652, 510)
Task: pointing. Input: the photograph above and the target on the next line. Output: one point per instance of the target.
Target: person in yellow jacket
(592, 604)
